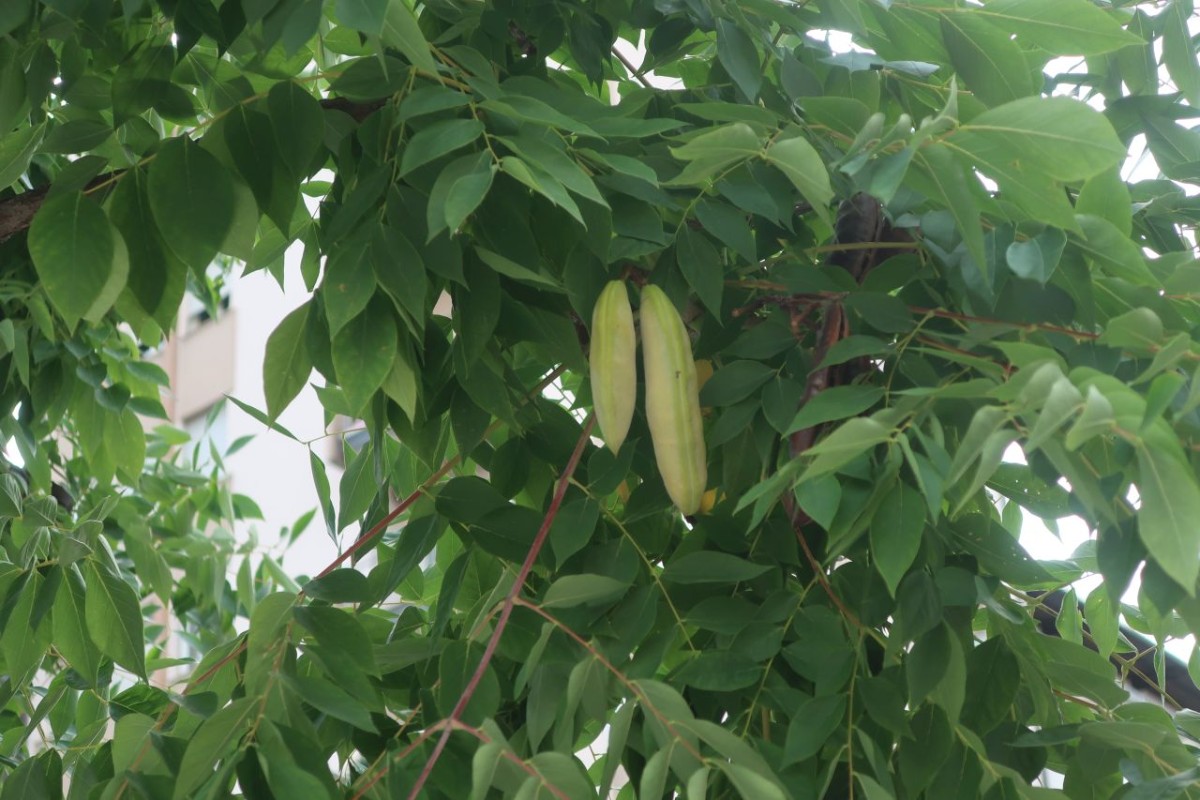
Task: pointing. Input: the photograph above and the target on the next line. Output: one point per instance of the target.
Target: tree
(901, 261)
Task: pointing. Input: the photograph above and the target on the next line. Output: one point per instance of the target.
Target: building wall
(210, 359)
(272, 469)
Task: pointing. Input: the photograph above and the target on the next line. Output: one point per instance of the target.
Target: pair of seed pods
(672, 392)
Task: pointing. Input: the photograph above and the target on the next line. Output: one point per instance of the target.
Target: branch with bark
(17, 211)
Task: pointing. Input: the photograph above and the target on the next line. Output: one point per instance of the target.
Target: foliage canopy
(899, 260)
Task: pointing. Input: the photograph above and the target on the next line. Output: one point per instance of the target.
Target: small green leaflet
(803, 166)
(74, 250)
(836, 402)
(401, 31)
(286, 365)
(851, 440)
(114, 618)
(577, 590)
(1170, 506)
(1058, 137)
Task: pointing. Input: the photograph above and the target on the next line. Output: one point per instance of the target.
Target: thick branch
(17, 212)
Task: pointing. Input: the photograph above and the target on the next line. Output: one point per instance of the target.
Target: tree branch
(17, 212)
(506, 611)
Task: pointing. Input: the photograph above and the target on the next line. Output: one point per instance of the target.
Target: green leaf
(401, 31)
(156, 277)
(541, 182)
(330, 699)
(455, 668)
(76, 136)
(217, 738)
(356, 489)
(286, 363)
(403, 381)
(70, 635)
(701, 266)
(16, 151)
(715, 151)
(812, 725)
(733, 382)
(820, 498)
(729, 225)
(1036, 258)
(524, 108)
(1106, 248)
(270, 626)
(1062, 403)
(364, 352)
(707, 566)
(946, 182)
(719, 671)
(986, 421)
(512, 269)
(986, 58)
(834, 403)
(881, 311)
(284, 775)
(1097, 419)
(74, 249)
(849, 441)
(556, 163)
(1139, 330)
(401, 272)
(896, 531)
(125, 440)
(926, 664)
(1106, 196)
(437, 140)
(1062, 27)
(1170, 505)
(458, 191)
(114, 618)
(995, 548)
(38, 777)
(348, 286)
(430, 100)
(192, 200)
(1102, 620)
(1179, 50)
(298, 122)
(364, 15)
(1058, 137)
(590, 590)
(802, 164)
(750, 783)
(736, 52)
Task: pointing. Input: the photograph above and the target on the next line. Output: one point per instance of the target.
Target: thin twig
(506, 612)
(633, 71)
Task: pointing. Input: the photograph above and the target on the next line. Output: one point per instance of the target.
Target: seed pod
(673, 401)
(614, 375)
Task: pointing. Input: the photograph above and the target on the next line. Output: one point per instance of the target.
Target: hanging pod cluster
(672, 391)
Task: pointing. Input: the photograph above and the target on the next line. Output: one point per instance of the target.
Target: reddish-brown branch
(359, 543)
(506, 611)
(823, 579)
(1029, 326)
(379, 527)
(620, 676)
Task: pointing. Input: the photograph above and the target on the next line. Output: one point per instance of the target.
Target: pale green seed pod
(614, 374)
(673, 401)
